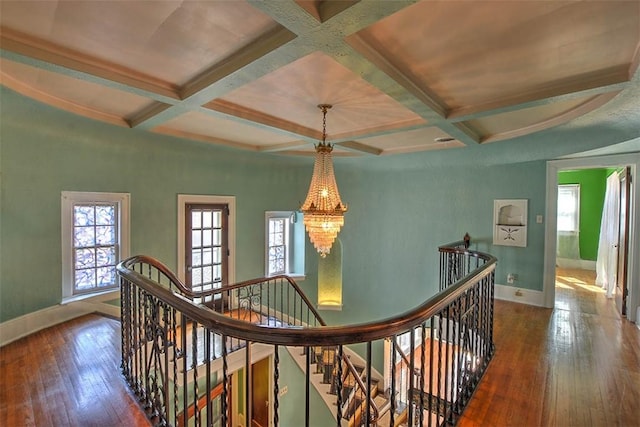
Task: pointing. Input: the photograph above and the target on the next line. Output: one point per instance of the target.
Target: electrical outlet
(511, 278)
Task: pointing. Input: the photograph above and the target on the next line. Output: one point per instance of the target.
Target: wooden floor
(67, 375)
(576, 365)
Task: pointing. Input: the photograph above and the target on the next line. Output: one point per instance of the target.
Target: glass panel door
(206, 247)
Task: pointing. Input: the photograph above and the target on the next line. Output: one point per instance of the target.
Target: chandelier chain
(324, 108)
(324, 124)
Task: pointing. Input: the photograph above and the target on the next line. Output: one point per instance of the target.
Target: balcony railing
(179, 348)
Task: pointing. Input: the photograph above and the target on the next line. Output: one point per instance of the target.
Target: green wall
(46, 151)
(593, 184)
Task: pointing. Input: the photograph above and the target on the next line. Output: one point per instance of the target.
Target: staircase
(176, 350)
(325, 379)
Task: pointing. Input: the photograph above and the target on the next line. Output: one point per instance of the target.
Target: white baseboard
(22, 326)
(582, 264)
(515, 294)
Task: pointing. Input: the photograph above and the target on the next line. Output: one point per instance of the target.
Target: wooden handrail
(312, 335)
(150, 277)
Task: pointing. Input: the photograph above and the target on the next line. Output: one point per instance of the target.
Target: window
(277, 248)
(569, 207)
(95, 238)
(284, 251)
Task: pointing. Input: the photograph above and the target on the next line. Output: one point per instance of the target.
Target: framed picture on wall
(510, 222)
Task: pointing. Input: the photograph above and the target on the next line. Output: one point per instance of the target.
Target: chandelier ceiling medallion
(323, 210)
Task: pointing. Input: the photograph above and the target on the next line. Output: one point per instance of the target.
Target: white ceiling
(401, 75)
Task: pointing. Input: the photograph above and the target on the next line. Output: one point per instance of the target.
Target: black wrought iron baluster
(269, 301)
(290, 309)
(458, 353)
(166, 320)
(339, 386)
(174, 328)
(306, 385)
(441, 395)
(411, 390)
(276, 385)
(475, 346)
(441, 270)
(138, 341)
(125, 336)
(248, 384)
(207, 358)
(185, 368)
(422, 371)
(392, 395)
(491, 300)
(432, 392)
(368, 419)
(225, 374)
(281, 302)
(447, 362)
(145, 367)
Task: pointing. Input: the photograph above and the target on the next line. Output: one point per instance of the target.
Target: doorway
(581, 207)
(260, 393)
(206, 231)
(632, 265)
(592, 234)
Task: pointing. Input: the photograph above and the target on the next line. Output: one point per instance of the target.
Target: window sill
(294, 276)
(99, 296)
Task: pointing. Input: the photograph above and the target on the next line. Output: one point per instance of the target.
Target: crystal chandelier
(323, 210)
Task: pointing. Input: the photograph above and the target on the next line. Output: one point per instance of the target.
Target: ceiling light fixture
(323, 210)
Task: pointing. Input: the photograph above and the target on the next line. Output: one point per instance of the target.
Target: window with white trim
(95, 238)
(284, 243)
(569, 207)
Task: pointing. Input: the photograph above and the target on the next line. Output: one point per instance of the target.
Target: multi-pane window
(207, 246)
(284, 243)
(95, 246)
(95, 238)
(277, 246)
(569, 207)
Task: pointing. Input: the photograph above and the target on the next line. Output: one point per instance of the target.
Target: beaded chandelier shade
(323, 210)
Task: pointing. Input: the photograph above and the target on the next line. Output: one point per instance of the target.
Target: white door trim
(553, 167)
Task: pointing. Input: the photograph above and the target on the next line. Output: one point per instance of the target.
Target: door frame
(553, 167)
(264, 368)
(183, 201)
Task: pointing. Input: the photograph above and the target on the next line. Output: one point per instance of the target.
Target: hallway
(576, 365)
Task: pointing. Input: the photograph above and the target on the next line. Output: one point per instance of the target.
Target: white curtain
(607, 261)
(568, 245)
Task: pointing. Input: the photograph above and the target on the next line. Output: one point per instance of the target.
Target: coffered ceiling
(402, 76)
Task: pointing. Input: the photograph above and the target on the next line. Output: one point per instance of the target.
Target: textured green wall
(593, 184)
(46, 151)
(402, 217)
